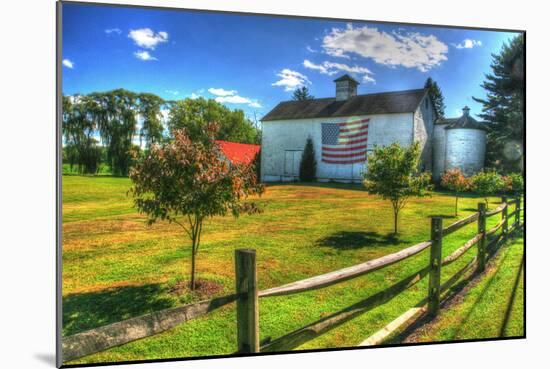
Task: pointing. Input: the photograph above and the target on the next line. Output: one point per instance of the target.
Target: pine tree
(308, 164)
(437, 97)
(301, 94)
(504, 105)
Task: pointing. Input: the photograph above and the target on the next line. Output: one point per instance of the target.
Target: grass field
(116, 267)
(492, 305)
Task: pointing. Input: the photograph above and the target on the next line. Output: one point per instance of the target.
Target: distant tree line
(102, 127)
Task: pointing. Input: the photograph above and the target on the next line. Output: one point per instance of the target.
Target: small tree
(487, 183)
(186, 182)
(392, 172)
(301, 94)
(308, 164)
(454, 180)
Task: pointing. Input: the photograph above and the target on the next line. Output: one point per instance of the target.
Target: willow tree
(78, 129)
(187, 181)
(116, 115)
(149, 108)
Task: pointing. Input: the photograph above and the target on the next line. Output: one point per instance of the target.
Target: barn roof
(465, 121)
(378, 103)
(238, 152)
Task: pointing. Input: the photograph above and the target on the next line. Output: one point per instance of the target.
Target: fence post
(481, 244)
(504, 199)
(435, 266)
(248, 337)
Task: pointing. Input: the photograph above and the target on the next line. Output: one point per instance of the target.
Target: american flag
(344, 143)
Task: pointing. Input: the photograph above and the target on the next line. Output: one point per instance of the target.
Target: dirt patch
(203, 288)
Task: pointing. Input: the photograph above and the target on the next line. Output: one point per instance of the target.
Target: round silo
(465, 141)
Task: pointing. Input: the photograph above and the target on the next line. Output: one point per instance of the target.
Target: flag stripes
(345, 142)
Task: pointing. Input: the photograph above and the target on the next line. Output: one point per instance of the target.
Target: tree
(149, 110)
(186, 181)
(257, 162)
(503, 107)
(454, 180)
(392, 172)
(194, 114)
(78, 129)
(435, 94)
(115, 113)
(487, 183)
(302, 94)
(308, 164)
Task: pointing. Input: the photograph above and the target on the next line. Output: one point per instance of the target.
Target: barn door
(296, 164)
(289, 158)
(292, 162)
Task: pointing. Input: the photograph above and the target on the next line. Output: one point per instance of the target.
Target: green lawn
(116, 267)
(491, 307)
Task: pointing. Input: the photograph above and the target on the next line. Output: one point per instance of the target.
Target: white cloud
(68, 63)
(144, 55)
(331, 68)
(231, 97)
(468, 44)
(311, 50)
(194, 96)
(291, 79)
(147, 38)
(221, 92)
(172, 92)
(399, 48)
(113, 30)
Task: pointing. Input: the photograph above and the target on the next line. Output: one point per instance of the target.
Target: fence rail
(247, 294)
(328, 279)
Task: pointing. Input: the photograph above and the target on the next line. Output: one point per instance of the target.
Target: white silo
(465, 144)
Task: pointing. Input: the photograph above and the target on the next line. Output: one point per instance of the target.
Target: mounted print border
(236, 184)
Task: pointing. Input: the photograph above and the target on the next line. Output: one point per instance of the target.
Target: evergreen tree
(504, 105)
(437, 97)
(302, 94)
(308, 164)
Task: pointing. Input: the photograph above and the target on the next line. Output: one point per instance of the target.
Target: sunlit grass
(115, 266)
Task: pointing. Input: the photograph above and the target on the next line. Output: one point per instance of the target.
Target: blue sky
(254, 62)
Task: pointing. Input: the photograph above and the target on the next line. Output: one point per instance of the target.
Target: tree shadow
(512, 299)
(83, 311)
(346, 240)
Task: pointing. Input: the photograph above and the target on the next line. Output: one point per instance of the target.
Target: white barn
(345, 128)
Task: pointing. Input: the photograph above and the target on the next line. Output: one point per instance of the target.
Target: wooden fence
(247, 294)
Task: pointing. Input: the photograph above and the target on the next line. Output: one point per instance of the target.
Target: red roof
(238, 152)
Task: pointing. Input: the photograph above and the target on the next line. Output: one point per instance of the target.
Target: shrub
(308, 164)
(487, 183)
(517, 183)
(454, 180)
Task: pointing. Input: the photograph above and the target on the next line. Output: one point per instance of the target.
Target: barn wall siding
(423, 132)
(439, 151)
(465, 149)
(283, 135)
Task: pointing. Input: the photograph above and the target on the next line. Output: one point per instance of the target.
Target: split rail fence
(247, 294)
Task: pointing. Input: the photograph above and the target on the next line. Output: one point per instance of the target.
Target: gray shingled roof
(465, 121)
(379, 103)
